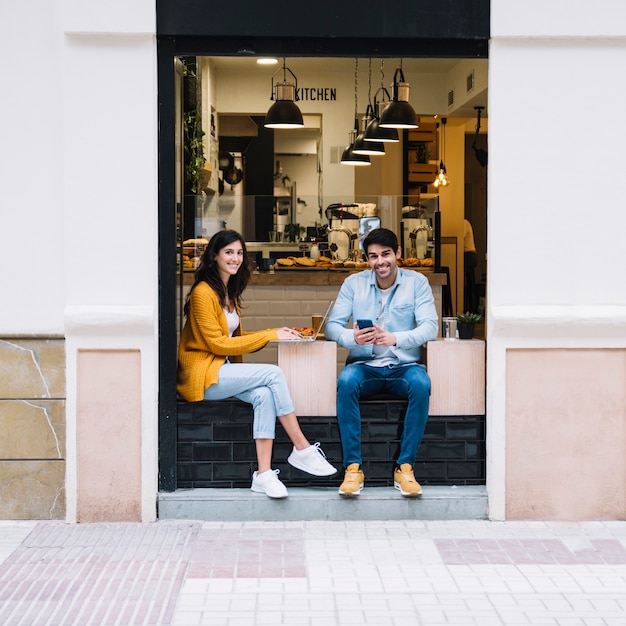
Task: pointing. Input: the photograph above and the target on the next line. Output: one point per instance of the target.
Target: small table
(311, 372)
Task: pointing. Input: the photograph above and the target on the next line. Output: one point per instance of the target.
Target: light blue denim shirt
(410, 314)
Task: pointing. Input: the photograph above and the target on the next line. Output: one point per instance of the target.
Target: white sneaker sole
(406, 494)
(260, 490)
(303, 468)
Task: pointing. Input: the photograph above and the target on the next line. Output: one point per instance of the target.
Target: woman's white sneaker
(269, 484)
(312, 461)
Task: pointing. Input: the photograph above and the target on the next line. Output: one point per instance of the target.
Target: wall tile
(33, 429)
(32, 368)
(32, 490)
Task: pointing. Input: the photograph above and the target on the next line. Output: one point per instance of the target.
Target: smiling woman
(210, 365)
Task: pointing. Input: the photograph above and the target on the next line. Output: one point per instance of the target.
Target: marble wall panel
(32, 490)
(32, 429)
(32, 368)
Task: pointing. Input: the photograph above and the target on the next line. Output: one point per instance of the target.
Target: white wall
(31, 168)
(78, 190)
(555, 248)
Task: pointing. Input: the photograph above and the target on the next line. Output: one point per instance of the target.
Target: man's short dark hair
(382, 237)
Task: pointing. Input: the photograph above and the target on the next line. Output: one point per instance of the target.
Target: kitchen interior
(298, 192)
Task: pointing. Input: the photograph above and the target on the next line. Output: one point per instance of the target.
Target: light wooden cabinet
(457, 376)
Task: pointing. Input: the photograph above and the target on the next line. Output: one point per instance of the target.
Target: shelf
(421, 172)
(426, 133)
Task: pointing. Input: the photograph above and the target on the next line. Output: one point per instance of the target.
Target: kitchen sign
(328, 94)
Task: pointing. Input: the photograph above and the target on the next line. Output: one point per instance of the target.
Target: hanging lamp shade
(399, 113)
(362, 145)
(374, 131)
(284, 113)
(367, 146)
(348, 156)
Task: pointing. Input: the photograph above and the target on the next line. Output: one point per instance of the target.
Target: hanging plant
(194, 148)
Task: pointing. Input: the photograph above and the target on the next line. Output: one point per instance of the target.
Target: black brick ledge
(216, 450)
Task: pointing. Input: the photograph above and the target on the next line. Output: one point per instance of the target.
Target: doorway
(421, 34)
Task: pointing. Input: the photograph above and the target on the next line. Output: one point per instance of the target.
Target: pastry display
(305, 262)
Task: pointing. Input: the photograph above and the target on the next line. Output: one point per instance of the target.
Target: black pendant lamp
(373, 130)
(362, 145)
(399, 113)
(284, 113)
(349, 157)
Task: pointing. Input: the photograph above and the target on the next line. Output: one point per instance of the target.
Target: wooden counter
(316, 276)
(325, 277)
(457, 374)
(310, 370)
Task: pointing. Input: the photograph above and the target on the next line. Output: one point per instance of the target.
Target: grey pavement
(412, 572)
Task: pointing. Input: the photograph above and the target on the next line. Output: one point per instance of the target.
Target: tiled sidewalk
(315, 573)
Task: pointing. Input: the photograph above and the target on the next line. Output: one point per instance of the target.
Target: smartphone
(364, 324)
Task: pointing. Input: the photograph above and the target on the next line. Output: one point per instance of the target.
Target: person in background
(210, 363)
(470, 261)
(384, 357)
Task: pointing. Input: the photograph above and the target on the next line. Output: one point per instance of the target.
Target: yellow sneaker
(352, 481)
(404, 481)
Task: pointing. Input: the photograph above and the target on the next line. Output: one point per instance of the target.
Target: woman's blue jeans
(261, 385)
(357, 381)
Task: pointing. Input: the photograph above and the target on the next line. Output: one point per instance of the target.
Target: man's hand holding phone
(364, 332)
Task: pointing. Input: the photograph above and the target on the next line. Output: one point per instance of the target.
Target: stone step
(323, 503)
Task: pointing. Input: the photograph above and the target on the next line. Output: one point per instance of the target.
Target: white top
(233, 320)
(383, 355)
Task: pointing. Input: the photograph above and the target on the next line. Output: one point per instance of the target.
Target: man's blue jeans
(357, 380)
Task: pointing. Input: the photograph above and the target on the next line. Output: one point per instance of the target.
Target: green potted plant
(293, 232)
(465, 323)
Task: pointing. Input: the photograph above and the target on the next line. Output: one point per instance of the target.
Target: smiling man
(393, 314)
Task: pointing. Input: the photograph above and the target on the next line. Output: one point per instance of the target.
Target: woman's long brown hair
(208, 272)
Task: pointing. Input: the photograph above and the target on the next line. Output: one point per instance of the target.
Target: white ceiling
(339, 64)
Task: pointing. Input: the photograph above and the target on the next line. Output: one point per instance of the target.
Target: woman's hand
(288, 333)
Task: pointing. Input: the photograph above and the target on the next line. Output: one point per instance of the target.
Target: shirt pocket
(403, 316)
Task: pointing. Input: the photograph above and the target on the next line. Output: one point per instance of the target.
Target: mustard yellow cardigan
(205, 343)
